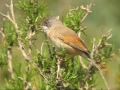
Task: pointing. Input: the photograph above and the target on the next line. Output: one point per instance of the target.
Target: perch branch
(95, 50)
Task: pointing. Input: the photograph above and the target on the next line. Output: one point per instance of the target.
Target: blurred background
(105, 16)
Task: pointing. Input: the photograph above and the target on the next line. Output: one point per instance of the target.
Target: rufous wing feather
(75, 42)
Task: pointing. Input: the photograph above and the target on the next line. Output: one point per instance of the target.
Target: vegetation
(27, 64)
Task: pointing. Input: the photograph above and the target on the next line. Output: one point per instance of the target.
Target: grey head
(51, 22)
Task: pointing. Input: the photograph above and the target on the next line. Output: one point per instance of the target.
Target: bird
(65, 38)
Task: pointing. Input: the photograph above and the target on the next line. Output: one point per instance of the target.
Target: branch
(2, 33)
(22, 49)
(13, 21)
(58, 69)
(82, 63)
(9, 56)
(58, 76)
(27, 85)
(30, 35)
(7, 17)
(95, 50)
(10, 67)
(87, 9)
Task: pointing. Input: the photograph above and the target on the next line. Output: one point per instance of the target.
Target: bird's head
(51, 22)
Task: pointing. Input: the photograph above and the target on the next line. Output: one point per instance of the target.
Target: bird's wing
(69, 37)
(74, 42)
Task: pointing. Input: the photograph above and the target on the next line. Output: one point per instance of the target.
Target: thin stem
(82, 63)
(87, 9)
(58, 69)
(101, 73)
(10, 67)
(13, 21)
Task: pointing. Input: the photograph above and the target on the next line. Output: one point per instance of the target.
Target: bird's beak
(45, 28)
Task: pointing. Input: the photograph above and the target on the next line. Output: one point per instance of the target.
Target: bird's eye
(48, 23)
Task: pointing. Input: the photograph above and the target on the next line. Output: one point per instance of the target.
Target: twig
(58, 68)
(13, 21)
(95, 48)
(2, 33)
(42, 47)
(58, 76)
(27, 85)
(87, 9)
(95, 51)
(22, 49)
(9, 56)
(82, 63)
(10, 67)
(30, 35)
(100, 71)
(37, 67)
(12, 11)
